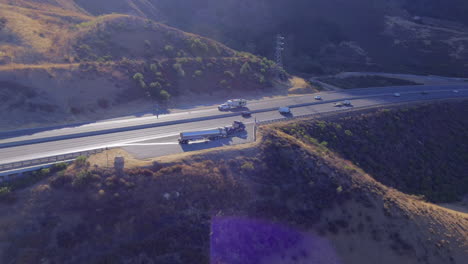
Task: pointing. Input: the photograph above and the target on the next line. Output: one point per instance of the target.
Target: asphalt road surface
(162, 140)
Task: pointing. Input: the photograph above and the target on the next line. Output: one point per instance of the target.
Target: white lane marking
(116, 144)
(93, 147)
(152, 117)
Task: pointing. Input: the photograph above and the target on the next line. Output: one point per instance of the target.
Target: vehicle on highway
(424, 92)
(339, 104)
(232, 104)
(212, 134)
(318, 97)
(344, 103)
(397, 94)
(246, 114)
(284, 110)
(455, 91)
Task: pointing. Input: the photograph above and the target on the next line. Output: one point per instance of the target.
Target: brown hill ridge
(77, 67)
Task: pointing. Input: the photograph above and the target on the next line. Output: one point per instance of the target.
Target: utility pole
(107, 157)
(157, 110)
(279, 43)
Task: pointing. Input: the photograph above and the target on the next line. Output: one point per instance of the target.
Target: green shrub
(142, 84)
(83, 178)
(260, 78)
(181, 54)
(348, 133)
(178, 68)
(44, 172)
(197, 46)
(164, 95)
(58, 167)
(154, 67)
(5, 193)
(223, 83)
(248, 166)
(197, 74)
(169, 48)
(155, 88)
(339, 189)
(245, 68)
(138, 77)
(81, 161)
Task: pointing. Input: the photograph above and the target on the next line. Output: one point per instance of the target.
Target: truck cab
(284, 110)
(231, 104)
(223, 107)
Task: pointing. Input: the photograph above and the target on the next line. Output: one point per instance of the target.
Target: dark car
(246, 114)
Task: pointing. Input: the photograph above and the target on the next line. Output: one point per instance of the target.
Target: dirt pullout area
(281, 200)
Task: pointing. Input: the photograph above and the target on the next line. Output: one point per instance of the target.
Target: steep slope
(418, 150)
(283, 200)
(73, 66)
(323, 36)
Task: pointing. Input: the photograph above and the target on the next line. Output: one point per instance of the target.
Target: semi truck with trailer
(212, 134)
(232, 104)
(344, 103)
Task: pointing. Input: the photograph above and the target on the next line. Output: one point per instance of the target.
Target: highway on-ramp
(30, 145)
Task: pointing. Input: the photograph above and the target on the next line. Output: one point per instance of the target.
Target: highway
(157, 137)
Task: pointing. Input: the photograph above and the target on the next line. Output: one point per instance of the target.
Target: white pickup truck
(232, 104)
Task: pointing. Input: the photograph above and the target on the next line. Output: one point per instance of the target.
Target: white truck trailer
(232, 104)
(212, 134)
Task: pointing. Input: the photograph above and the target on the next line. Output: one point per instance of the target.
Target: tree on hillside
(164, 96)
(138, 77)
(245, 68)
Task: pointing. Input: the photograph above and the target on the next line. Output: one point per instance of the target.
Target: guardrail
(46, 160)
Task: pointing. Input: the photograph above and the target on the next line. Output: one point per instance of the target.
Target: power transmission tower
(279, 56)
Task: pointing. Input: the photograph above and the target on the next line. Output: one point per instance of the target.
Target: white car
(318, 97)
(397, 94)
(284, 110)
(455, 91)
(223, 107)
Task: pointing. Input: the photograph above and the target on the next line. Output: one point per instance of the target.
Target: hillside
(60, 64)
(329, 36)
(281, 200)
(417, 150)
(323, 36)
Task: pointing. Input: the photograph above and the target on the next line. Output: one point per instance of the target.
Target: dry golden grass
(35, 35)
(45, 66)
(300, 86)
